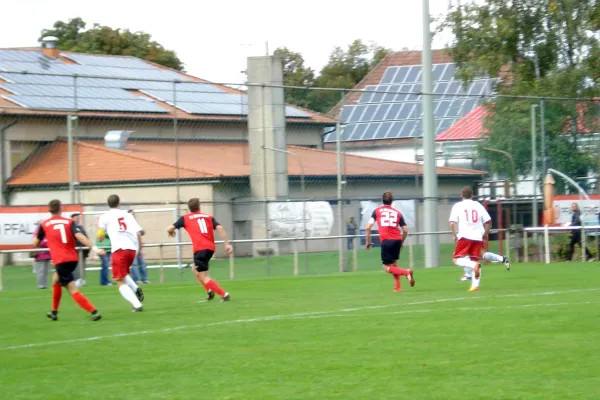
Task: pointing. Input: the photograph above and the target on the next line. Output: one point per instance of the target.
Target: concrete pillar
(266, 128)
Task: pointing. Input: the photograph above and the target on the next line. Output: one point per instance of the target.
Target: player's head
(75, 217)
(194, 204)
(114, 201)
(54, 207)
(467, 193)
(575, 207)
(387, 198)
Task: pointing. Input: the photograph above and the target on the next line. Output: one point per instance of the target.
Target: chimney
(49, 46)
(116, 140)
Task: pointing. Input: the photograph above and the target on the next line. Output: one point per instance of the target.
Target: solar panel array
(393, 109)
(103, 82)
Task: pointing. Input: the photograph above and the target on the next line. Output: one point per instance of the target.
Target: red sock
(398, 271)
(202, 283)
(83, 302)
(397, 282)
(215, 287)
(56, 294)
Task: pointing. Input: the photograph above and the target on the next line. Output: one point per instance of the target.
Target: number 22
(389, 218)
(474, 215)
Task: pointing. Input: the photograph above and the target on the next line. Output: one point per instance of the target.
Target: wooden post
(162, 265)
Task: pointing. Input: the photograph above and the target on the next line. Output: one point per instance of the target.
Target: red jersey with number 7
(389, 220)
(60, 234)
(201, 229)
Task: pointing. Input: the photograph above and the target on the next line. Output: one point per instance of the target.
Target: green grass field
(528, 334)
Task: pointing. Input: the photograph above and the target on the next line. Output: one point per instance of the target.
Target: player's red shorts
(121, 261)
(467, 247)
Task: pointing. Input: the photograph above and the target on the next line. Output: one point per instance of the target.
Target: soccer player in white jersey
(126, 242)
(470, 224)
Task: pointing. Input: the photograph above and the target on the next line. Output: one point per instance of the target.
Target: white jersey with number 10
(122, 229)
(470, 216)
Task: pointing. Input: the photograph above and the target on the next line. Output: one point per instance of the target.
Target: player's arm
(177, 225)
(39, 237)
(404, 229)
(368, 228)
(453, 222)
(76, 230)
(223, 235)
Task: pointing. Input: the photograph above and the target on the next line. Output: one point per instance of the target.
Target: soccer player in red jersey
(201, 229)
(390, 221)
(62, 235)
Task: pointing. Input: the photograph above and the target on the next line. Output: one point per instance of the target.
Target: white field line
(305, 315)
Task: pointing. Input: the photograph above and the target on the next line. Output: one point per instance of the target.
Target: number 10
(474, 215)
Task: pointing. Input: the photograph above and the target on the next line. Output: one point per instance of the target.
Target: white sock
(468, 271)
(466, 262)
(129, 295)
(492, 257)
(131, 283)
(475, 281)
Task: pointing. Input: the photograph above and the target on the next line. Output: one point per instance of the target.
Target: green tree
(536, 48)
(345, 69)
(73, 36)
(295, 73)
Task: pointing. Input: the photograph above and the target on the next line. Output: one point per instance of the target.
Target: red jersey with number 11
(201, 228)
(60, 234)
(389, 220)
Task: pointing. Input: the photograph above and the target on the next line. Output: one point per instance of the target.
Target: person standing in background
(576, 234)
(139, 274)
(79, 275)
(351, 230)
(103, 242)
(41, 262)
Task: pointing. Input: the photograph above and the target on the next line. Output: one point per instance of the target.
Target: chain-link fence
(272, 171)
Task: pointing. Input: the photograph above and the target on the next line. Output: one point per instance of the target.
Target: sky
(214, 38)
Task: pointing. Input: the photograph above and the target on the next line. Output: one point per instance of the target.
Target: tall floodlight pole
(432, 248)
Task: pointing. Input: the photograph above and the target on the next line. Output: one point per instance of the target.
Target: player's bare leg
(210, 293)
(496, 258)
(129, 294)
(212, 285)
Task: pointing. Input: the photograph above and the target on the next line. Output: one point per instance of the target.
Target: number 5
(122, 224)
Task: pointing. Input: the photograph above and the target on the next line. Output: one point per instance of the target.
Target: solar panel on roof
(109, 61)
(388, 75)
(85, 104)
(68, 91)
(230, 109)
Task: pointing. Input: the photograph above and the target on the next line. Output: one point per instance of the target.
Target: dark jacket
(86, 253)
(576, 221)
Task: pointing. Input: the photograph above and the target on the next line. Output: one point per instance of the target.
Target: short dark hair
(387, 198)
(194, 204)
(467, 192)
(75, 215)
(54, 206)
(130, 211)
(113, 201)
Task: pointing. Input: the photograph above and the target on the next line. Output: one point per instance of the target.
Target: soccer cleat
(411, 277)
(211, 295)
(474, 289)
(225, 298)
(139, 294)
(476, 270)
(52, 315)
(138, 309)
(507, 264)
(96, 316)
(465, 278)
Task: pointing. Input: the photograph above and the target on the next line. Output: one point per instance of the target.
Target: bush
(559, 248)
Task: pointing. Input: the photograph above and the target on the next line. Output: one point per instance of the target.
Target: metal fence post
(547, 244)
(295, 257)
(178, 239)
(507, 245)
(162, 264)
(355, 244)
(411, 256)
(583, 244)
(525, 247)
(231, 267)
(81, 268)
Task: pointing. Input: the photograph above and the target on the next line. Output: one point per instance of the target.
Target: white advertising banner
(286, 219)
(589, 209)
(408, 208)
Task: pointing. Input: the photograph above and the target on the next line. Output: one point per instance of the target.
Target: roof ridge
(384, 160)
(138, 157)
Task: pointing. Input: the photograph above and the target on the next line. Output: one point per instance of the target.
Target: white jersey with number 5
(470, 216)
(122, 229)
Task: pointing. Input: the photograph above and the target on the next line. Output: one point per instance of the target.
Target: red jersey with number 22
(389, 220)
(60, 234)
(201, 228)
